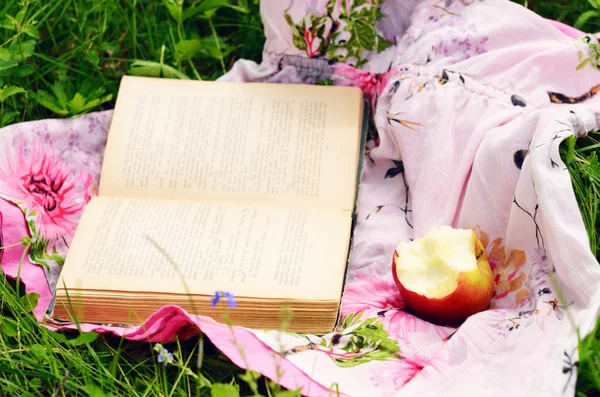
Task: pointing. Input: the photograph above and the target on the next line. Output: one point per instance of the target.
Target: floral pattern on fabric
(593, 52)
(339, 30)
(372, 84)
(358, 341)
(52, 197)
(509, 277)
(49, 170)
(454, 35)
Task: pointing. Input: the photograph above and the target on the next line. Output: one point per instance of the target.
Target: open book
(248, 188)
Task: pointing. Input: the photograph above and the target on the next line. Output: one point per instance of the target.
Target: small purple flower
(227, 295)
(230, 299)
(215, 299)
(161, 358)
(164, 356)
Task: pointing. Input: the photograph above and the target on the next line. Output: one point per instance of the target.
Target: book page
(222, 141)
(253, 251)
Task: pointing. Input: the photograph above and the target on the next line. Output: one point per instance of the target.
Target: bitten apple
(445, 276)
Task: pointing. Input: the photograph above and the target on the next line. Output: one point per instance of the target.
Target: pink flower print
(371, 293)
(396, 373)
(372, 84)
(309, 38)
(308, 34)
(1, 239)
(507, 265)
(413, 364)
(403, 325)
(36, 180)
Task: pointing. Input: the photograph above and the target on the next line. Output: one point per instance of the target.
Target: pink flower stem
(309, 39)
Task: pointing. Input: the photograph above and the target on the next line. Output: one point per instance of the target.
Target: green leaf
(212, 50)
(364, 33)
(224, 390)
(90, 88)
(30, 301)
(288, 19)
(80, 102)
(83, 339)
(592, 171)
(383, 44)
(206, 46)
(175, 8)
(95, 391)
(298, 39)
(8, 117)
(8, 91)
(39, 352)
(20, 51)
(583, 18)
(24, 70)
(250, 377)
(287, 393)
(593, 3)
(32, 32)
(10, 22)
(155, 69)
(145, 68)
(8, 326)
(583, 63)
(209, 7)
(93, 57)
(20, 15)
(111, 47)
(187, 49)
(98, 101)
(58, 336)
(7, 63)
(49, 102)
(16, 53)
(31, 224)
(35, 383)
(567, 149)
(297, 34)
(77, 104)
(58, 89)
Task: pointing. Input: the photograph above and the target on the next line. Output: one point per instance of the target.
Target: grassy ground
(66, 57)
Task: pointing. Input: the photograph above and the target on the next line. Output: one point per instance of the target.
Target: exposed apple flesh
(444, 277)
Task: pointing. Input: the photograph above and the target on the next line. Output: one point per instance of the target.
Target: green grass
(54, 50)
(581, 157)
(65, 57)
(37, 362)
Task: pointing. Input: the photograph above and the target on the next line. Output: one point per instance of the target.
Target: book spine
(363, 143)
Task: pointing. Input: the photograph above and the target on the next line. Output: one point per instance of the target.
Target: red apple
(445, 276)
